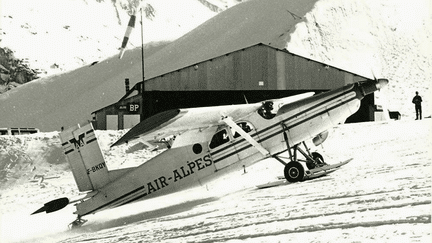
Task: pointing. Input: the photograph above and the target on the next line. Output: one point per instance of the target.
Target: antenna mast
(142, 50)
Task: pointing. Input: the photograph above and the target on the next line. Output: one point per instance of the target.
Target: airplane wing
(184, 121)
(178, 121)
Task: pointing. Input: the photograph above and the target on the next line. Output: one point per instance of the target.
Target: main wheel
(318, 158)
(294, 171)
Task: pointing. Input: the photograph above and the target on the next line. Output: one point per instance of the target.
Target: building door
(130, 121)
(112, 122)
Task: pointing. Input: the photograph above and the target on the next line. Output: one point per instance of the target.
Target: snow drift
(360, 36)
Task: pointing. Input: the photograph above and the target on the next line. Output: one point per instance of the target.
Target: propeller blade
(53, 205)
(373, 74)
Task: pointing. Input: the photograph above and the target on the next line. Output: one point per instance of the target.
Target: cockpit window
(246, 126)
(219, 138)
(266, 110)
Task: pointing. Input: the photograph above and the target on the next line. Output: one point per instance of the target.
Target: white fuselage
(183, 167)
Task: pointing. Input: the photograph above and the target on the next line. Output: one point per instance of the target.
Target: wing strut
(229, 121)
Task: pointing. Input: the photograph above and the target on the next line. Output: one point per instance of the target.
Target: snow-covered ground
(382, 195)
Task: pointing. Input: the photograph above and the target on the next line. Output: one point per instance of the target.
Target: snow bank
(34, 170)
(389, 39)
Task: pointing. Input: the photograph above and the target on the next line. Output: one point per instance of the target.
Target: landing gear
(77, 223)
(294, 171)
(316, 161)
(301, 169)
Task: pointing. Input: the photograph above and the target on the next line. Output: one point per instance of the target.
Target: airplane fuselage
(183, 167)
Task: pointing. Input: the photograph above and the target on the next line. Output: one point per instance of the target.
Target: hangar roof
(256, 21)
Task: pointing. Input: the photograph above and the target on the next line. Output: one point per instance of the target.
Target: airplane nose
(370, 86)
(381, 83)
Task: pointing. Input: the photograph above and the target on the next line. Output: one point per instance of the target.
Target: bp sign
(130, 107)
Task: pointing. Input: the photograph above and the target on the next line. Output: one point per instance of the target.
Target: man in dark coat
(417, 100)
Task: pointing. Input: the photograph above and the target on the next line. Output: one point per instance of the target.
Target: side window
(246, 126)
(266, 110)
(219, 138)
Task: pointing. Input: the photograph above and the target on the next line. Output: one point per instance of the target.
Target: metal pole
(142, 50)
(143, 107)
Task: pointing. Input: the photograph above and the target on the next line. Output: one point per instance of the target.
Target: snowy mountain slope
(58, 36)
(68, 98)
(383, 195)
(241, 26)
(391, 39)
(71, 97)
(379, 33)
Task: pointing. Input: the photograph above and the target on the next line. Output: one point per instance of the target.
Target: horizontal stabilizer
(53, 205)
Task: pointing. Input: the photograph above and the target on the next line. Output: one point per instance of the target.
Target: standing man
(417, 100)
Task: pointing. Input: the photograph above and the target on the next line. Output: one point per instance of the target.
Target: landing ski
(309, 174)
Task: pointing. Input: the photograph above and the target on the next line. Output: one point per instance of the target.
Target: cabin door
(222, 150)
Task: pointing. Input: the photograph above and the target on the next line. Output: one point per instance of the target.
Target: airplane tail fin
(87, 163)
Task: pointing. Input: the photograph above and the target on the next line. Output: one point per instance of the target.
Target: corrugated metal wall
(258, 67)
(301, 73)
(255, 68)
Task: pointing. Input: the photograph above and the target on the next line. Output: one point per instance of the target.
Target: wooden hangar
(250, 74)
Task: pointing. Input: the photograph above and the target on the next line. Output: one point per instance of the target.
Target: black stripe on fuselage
(309, 109)
(243, 148)
(114, 201)
(304, 120)
(273, 134)
(285, 121)
(132, 200)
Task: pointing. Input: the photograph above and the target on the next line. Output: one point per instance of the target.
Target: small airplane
(208, 142)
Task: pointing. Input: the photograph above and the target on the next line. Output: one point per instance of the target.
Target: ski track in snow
(383, 195)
